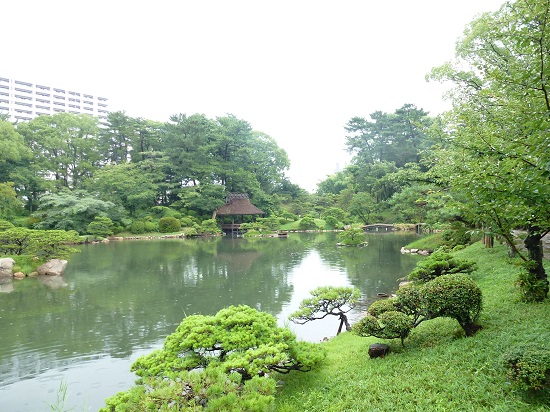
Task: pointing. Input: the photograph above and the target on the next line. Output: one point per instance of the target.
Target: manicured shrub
(381, 306)
(150, 226)
(137, 227)
(438, 264)
(387, 325)
(530, 288)
(210, 227)
(307, 222)
(5, 225)
(101, 226)
(528, 366)
(169, 224)
(187, 221)
(352, 236)
(454, 296)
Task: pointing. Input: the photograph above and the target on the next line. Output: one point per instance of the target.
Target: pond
(121, 299)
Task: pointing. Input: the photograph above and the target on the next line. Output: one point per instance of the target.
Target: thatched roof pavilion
(236, 205)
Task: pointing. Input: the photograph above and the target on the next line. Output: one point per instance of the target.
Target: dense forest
(484, 165)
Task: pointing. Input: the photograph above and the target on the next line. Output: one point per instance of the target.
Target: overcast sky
(296, 70)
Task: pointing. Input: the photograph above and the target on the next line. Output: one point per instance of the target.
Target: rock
(414, 250)
(118, 238)
(424, 252)
(378, 350)
(6, 267)
(54, 267)
(403, 250)
(405, 283)
(18, 275)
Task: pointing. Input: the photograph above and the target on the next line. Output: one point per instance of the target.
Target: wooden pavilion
(237, 205)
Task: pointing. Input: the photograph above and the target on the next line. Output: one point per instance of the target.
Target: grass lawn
(439, 369)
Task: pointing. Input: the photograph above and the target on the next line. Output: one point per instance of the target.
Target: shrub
(307, 222)
(187, 221)
(210, 227)
(528, 366)
(190, 231)
(531, 289)
(455, 296)
(438, 264)
(381, 306)
(138, 227)
(169, 224)
(149, 226)
(387, 325)
(353, 236)
(220, 363)
(5, 225)
(101, 226)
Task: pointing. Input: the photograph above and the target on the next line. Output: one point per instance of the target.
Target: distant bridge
(379, 227)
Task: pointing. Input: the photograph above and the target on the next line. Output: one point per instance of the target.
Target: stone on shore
(54, 267)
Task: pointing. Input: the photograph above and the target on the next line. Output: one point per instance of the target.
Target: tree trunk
(533, 244)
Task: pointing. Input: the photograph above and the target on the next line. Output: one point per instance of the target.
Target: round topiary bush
(138, 227)
(455, 296)
(169, 224)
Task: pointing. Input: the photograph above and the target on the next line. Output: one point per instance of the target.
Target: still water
(121, 299)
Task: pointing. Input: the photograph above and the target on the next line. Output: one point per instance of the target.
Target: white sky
(296, 70)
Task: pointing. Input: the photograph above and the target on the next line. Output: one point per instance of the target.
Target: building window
(42, 87)
(59, 103)
(3, 79)
(59, 97)
(4, 94)
(4, 101)
(88, 96)
(23, 90)
(4, 87)
(23, 104)
(43, 94)
(74, 106)
(103, 99)
(58, 110)
(43, 101)
(3, 108)
(23, 83)
(42, 107)
(22, 118)
(59, 91)
(89, 108)
(23, 97)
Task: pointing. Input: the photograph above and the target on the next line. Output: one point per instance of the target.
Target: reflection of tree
(133, 293)
(375, 268)
(124, 295)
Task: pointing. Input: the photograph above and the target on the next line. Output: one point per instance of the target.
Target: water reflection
(120, 298)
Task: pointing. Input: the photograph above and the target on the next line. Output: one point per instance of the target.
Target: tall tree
(398, 137)
(65, 146)
(496, 135)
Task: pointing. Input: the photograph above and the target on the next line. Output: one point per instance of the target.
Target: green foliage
(386, 325)
(429, 242)
(455, 296)
(73, 211)
(438, 264)
(169, 224)
(217, 362)
(207, 390)
(494, 142)
(5, 225)
(101, 226)
(10, 205)
(352, 236)
(531, 289)
(210, 227)
(528, 366)
(45, 244)
(137, 227)
(307, 222)
(325, 301)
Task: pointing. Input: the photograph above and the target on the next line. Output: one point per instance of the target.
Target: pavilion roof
(238, 204)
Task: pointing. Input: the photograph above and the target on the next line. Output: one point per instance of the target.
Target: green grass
(431, 242)
(439, 369)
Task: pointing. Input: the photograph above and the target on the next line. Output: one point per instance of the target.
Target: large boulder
(378, 350)
(54, 267)
(6, 267)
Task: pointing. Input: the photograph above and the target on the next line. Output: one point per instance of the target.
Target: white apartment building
(23, 101)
